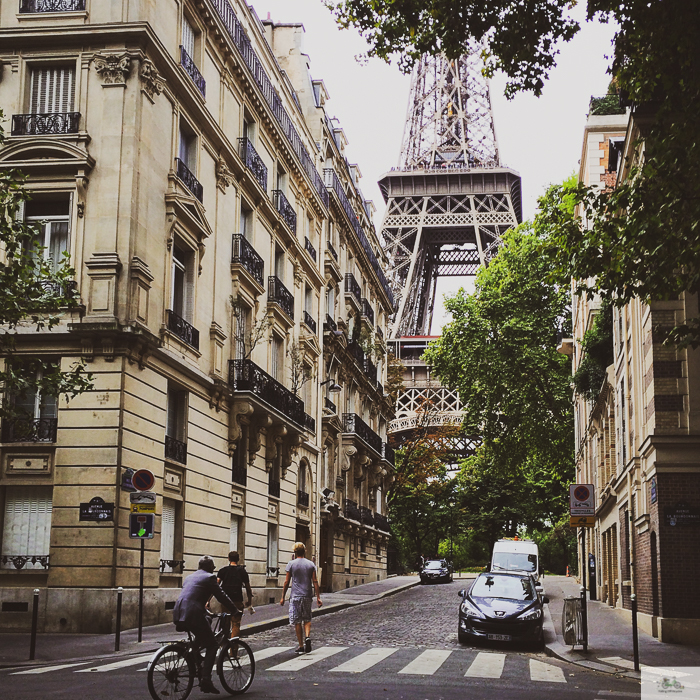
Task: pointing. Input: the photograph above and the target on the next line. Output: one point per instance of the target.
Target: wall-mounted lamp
(333, 388)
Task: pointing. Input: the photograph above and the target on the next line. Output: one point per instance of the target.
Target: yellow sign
(143, 507)
(580, 520)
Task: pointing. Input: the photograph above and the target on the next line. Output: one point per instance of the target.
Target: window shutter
(27, 523)
(52, 90)
(167, 533)
(272, 556)
(233, 540)
(188, 38)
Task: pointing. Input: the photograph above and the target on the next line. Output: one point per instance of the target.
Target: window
(187, 151)
(167, 535)
(246, 221)
(279, 264)
(239, 463)
(378, 505)
(281, 178)
(176, 426)
(27, 524)
(182, 283)
(347, 554)
(235, 531)
(249, 128)
(277, 359)
(302, 477)
(50, 216)
(241, 322)
(38, 413)
(272, 550)
(52, 90)
(330, 302)
(188, 37)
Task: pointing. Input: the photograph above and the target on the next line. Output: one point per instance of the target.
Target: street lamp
(333, 388)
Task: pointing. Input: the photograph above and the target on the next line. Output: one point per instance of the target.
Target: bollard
(584, 619)
(635, 638)
(35, 621)
(117, 634)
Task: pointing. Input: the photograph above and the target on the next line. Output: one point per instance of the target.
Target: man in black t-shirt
(232, 579)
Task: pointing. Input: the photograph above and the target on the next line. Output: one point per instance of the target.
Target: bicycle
(173, 668)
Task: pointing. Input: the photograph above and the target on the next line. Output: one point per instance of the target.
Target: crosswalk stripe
(364, 661)
(117, 664)
(427, 663)
(626, 663)
(305, 660)
(267, 653)
(46, 669)
(486, 665)
(540, 671)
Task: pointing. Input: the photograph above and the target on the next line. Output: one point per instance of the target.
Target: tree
(301, 372)
(34, 291)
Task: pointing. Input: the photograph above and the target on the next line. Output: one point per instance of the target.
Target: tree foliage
(597, 347)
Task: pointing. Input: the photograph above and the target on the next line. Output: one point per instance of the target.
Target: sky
(541, 138)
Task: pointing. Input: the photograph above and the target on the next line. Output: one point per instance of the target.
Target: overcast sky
(541, 138)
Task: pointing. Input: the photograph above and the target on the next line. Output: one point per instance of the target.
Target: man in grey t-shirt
(301, 572)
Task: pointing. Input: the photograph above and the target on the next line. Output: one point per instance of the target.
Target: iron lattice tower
(447, 205)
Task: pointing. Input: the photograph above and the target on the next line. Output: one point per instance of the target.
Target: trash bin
(571, 624)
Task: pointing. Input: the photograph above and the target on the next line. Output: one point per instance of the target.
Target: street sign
(582, 521)
(581, 499)
(143, 502)
(143, 480)
(143, 507)
(96, 510)
(141, 525)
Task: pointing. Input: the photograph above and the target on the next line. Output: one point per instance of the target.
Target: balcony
(381, 522)
(367, 311)
(246, 256)
(253, 162)
(171, 565)
(352, 423)
(191, 69)
(272, 571)
(285, 209)
(19, 561)
(328, 405)
(388, 454)
(32, 6)
(310, 423)
(332, 251)
(353, 288)
(273, 488)
(175, 450)
(351, 511)
(183, 330)
(329, 324)
(357, 353)
(309, 321)
(29, 430)
(366, 516)
(302, 499)
(245, 375)
(278, 294)
(191, 182)
(309, 248)
(53, 123)
(239, 474)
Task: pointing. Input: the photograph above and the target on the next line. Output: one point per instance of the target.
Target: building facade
(639, 441)
(233, 309)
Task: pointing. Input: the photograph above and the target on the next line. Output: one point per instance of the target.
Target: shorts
(299, 610)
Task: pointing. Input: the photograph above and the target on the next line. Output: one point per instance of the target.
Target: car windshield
(495, 586)
(434, 565)
(510, 561)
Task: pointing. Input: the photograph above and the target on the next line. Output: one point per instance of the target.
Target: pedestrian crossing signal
(141, 525)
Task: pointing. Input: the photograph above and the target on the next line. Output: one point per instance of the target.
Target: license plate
(499, 637)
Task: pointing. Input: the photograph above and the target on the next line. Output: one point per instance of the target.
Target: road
(399, 648)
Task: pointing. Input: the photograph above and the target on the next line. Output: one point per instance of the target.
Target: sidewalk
(14, 647)
(609, 637)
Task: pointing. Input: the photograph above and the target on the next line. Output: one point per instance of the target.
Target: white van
(521, 556)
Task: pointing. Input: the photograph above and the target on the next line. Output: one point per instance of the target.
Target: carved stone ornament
(113, 69)
(224, 176)
(240, 409)
(348, 453)
(151, 82)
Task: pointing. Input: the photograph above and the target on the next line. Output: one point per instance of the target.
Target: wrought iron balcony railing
(273, 488)
(366, 515)
(309, 423)
(381, 522)
(45, 124)
(172, 564)
(247, 257)
(309, 247)
(303, 499)
(183, 330)
(19, 561)
(367, 310)
(29, 429)
(329, 405)
(272, 571)
(352, 287)
(309, 321)
(352, 423)
(175, 450)
(285, 209)
(253, 162)
(191, 69)
(245, 375)
(370, 370)
(357, 353)
(239, 475)
(191, 182)
(68, 289)
(332, 251)
(351, 511)
(32, 6)
(277, 293)
(388, 453)
(329, 324)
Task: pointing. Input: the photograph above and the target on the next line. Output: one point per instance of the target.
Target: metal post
(584, 608)
(143, 545)
(635, 639)
(35, 621)
(117, 634)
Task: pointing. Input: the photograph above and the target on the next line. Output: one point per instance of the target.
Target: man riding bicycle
(189, 615)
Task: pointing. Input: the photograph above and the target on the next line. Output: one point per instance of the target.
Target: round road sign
(143, 480)
(581, 493)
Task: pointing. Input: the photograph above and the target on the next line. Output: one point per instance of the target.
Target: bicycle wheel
(235, 665)
(170, 673)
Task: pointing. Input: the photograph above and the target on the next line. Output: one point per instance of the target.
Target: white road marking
(486, 665)
(626, 663)
(267, 653)
(46, 669)
(117, 664)
(304, 660)
(540, 671)
(427, 663)
(364, 661)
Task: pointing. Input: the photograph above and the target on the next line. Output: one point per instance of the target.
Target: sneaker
(299, 650)
(209, 687)
(307, 645)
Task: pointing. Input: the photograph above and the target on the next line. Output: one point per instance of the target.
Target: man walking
(301, 572)
(232, 578)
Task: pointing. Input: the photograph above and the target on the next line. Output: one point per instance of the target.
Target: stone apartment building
(639, 441)
(234, 308)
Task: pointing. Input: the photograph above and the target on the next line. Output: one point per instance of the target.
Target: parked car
(517, 556)
(435, 571)
(501, 607)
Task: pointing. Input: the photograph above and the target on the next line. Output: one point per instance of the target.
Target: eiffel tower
(447, 205)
